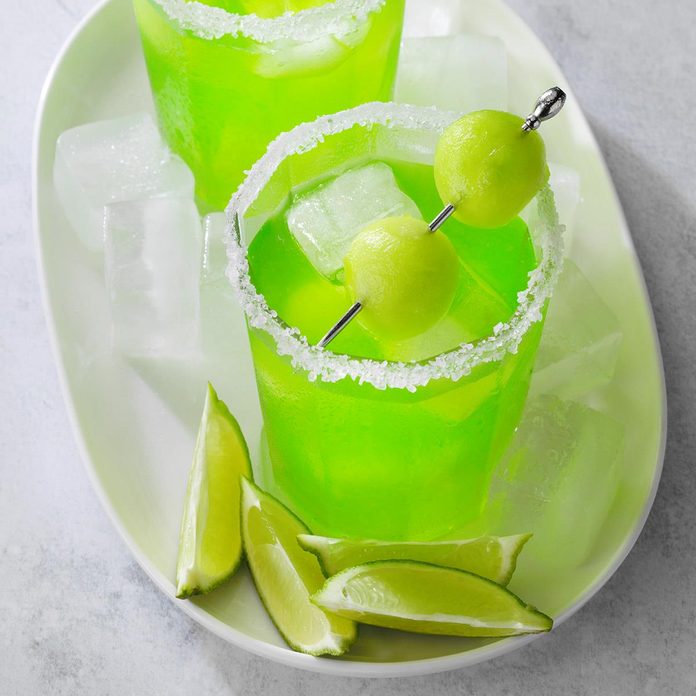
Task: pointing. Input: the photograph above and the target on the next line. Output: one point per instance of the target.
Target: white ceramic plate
(135, 422)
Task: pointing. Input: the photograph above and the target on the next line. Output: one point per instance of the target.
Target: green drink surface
(493, 268)
(352, 460)
(264, 8)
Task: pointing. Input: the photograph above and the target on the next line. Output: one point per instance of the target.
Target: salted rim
(324, 365)
(336, 18)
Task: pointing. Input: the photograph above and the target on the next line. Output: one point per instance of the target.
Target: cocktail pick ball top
(548, 105)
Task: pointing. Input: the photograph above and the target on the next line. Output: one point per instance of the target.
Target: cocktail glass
(372, 448)
(226, 84)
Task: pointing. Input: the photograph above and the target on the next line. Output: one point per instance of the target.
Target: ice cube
(460, 73)
(477, 308)
(558, 479)
(446, 335)
(565, 183)
(284, 58)
(214, 259)
(152, 268)
(581, 341)
(406, 144)
(434, 18)
(325, 221)
(214, 256)
(220, 314)
(288, 58)
(111, 161)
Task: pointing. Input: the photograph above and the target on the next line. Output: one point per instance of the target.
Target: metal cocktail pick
(547, 106)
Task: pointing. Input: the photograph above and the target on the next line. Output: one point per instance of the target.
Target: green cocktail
(227, 81)
(390, 439)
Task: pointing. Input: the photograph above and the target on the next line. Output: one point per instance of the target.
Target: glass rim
(321, 363)
(336, 18)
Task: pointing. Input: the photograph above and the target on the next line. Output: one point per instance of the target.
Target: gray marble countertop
(77, 615)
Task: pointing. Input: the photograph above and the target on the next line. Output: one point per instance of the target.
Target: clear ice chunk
(407, 145)
(475, 311)
(565, 184)
(434, 18)
(460, 73)
(220, 314)
(558, 479)
(325, 221)
(112, 161)
(292, 57)
(152, 269)
(300, 59)
(446, 335)
(214, 258)
(581, 341)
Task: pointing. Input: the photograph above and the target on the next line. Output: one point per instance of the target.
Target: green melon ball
(404, 275)
(489, 168)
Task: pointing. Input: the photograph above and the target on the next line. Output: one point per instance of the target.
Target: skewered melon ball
(404, 275)
(489, 168)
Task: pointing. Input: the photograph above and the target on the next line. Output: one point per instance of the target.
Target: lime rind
(389, 586)
(511, 549)
(220, 445)
(334, 647)
(491, 557)
(285, 576)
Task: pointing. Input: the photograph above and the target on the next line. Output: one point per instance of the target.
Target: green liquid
(221, 101)
(265, 8)
(352, 460)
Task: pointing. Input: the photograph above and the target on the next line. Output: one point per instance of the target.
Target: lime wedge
(491, 557)
(210, 544)
(423, 598)
(286, 576)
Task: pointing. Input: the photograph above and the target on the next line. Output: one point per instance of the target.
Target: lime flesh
(286, 576)
(489, 168)
(210, 544)
(424, 598)
(404, 275)
(491, 557)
